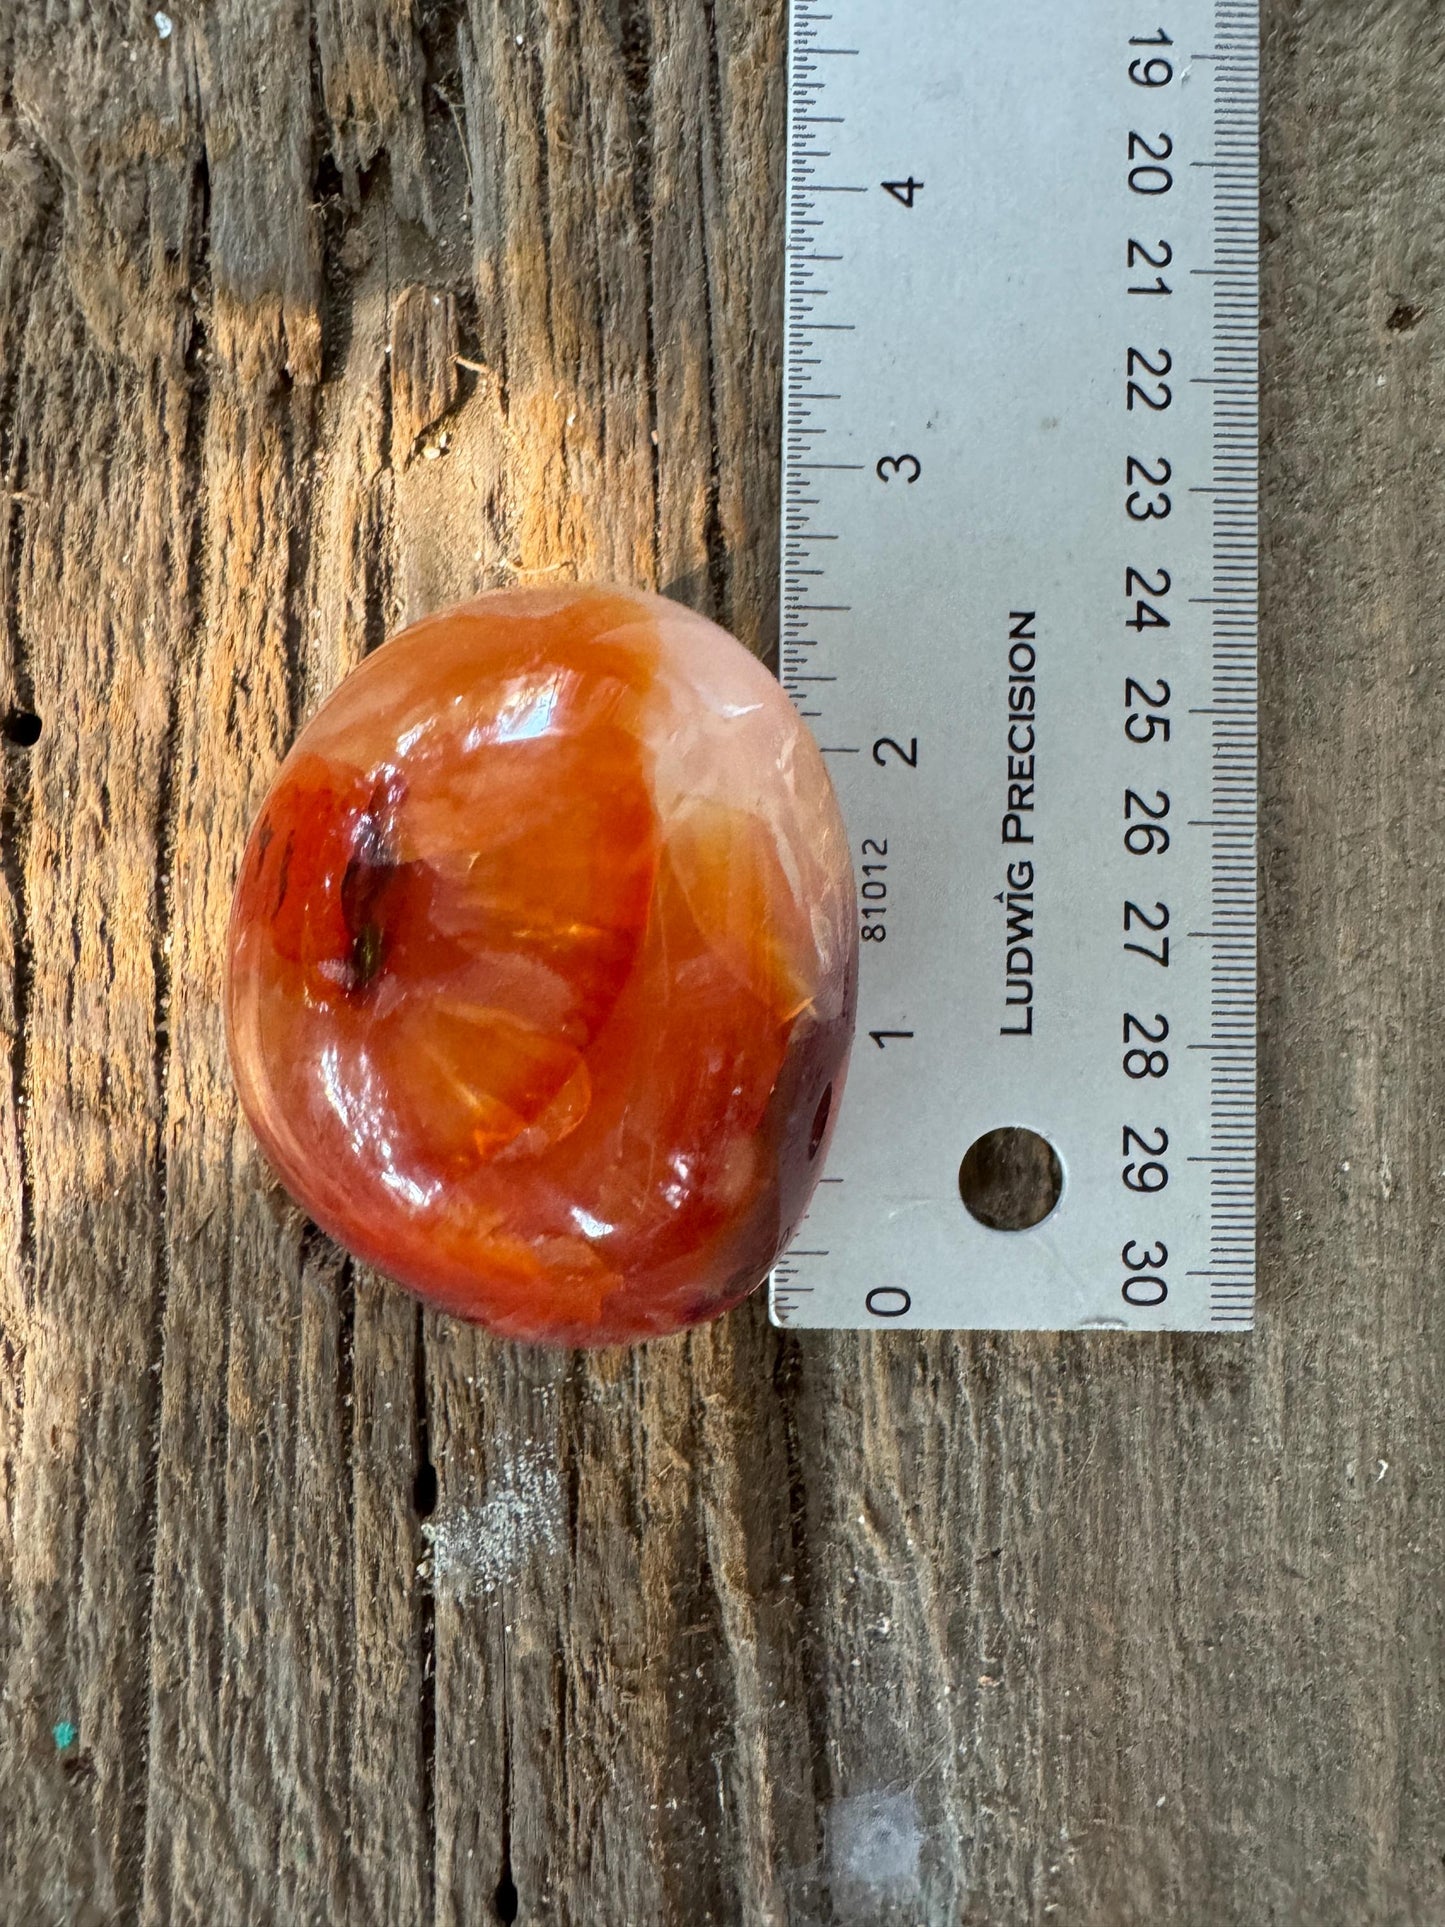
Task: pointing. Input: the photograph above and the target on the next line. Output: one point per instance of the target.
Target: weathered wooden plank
(20, 211)
(286, 1690)
(96, 553)
(95, 457)
(342, 311)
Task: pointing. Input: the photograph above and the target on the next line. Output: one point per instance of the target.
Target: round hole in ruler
(1010, 1178)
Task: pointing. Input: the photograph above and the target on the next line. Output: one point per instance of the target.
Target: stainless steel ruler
(1018, 610)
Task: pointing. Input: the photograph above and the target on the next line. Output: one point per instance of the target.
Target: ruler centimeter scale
(1019, 612)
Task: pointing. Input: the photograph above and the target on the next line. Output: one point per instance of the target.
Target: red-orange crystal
(542, 965)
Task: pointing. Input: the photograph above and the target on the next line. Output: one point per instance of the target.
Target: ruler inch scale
(1019, 603)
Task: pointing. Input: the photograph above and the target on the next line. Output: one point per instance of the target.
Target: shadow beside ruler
(1019, 610)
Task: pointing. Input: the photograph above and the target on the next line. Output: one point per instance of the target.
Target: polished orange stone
(542, 965)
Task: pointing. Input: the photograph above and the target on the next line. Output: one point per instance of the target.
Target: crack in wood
(193, 394)
(634, 39)
(426, 1626)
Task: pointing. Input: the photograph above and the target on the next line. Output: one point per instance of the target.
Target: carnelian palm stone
(542, 965)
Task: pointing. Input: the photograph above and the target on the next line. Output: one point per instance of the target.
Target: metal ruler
(1018, 610)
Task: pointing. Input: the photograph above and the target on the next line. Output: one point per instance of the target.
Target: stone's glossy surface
(542, 965)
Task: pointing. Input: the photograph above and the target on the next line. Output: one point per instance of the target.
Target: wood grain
(313, 314)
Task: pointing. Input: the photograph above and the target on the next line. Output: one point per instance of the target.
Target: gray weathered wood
(313, 314)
